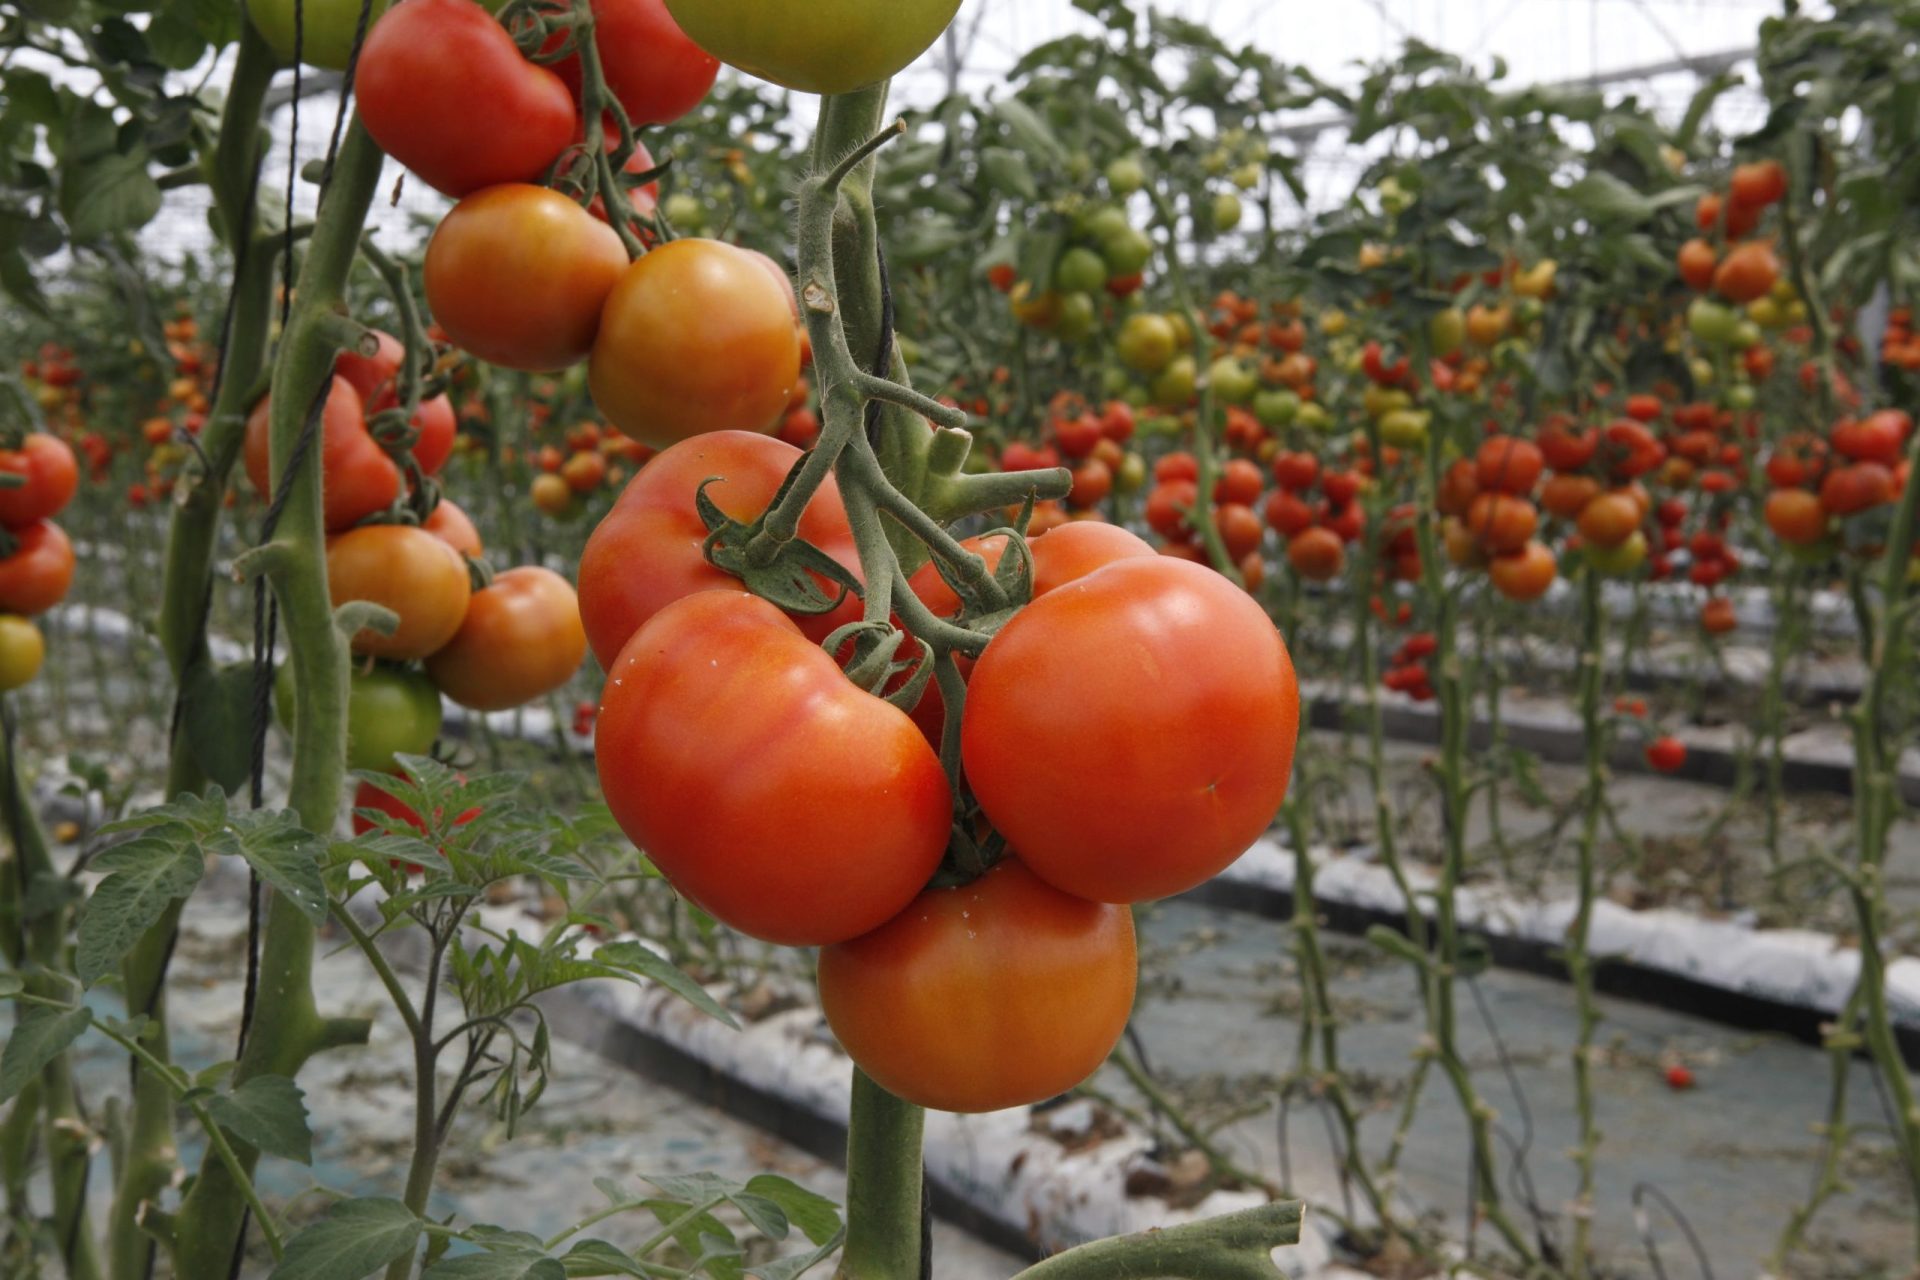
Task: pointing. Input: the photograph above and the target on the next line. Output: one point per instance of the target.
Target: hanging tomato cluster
(1821, 485)
(39, 475)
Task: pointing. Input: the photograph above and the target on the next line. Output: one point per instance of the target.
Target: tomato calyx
(792, 576)
(875, 666)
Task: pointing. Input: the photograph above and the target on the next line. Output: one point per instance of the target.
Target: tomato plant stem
(884, 1187)
(1580, 967)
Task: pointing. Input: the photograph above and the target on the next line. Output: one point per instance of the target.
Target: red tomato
(371, 374)
(651, 66)
(1240, 481)
(359, 479)
(451, 524)
(994, 994)
(647, 552)
(518, 275)
(368, 796)
(36, 576)
(411, 572)
(775, 794)
(696, 337)
(1525, 574)
(1508, 464)
(1667, 754)
(1317, 554)
(521, 639)
(443, 90)
(50, 474)
(1862, 486)
(1192, 759)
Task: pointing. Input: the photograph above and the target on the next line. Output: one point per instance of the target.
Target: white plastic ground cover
(1790, 966)
(994, 1162)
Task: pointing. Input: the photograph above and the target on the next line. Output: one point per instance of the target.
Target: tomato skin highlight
(999, 993)
(830, 46)
(696, 336)
(775, 794)
(418, 88)
(521, 638)
(518, 274)
(1199, 710)
(647, 552)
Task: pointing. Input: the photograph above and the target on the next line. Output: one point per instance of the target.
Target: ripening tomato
(1193, 758)
(36, 576)
(451, 524)
(1861, 486)
(828, 46)
(1240, 529)
(521, 639)
(1167, 506)
(49, 475)
(1796, 516)
(1239, 481)
(1565, 449)
(1508, 464)
(390, 711)
(1717, 616)
(1667, 754)
(369, 375)
(774, 793)
(444, 90)
(1697, 262)
(1609, 520)
(1567, 496)
(518, 275)
(1878, 437)
(1524, 574)
(1758, 184)
(358, 478)
(1317, 554)
(408, 570)
(22, 650)
(1747, 273)
(696, 337)
(1296, 470)
(368, 796)
(1502, 523)
(999, 993)
(647, 552)
(650, 65)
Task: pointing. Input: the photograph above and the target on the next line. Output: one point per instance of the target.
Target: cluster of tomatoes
(1489, 519)
(1407, 667)
(1104, 254)
(39, 475)
(592, 459)
(1820, 484)
(181, 410)
(1092, 445)
(1900, 345)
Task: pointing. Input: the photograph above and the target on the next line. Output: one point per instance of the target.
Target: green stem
(1580, 967)
(883, 1186)
(1238, 1246)
(287, 1029)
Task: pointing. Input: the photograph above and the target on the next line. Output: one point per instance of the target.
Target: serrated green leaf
(108, 194)
(41, 1035)
(511, 1265)
(354, 1240)
(284, 855)
(796, 1265)
(150, 872)
(638, 961)
(268, 1113)
(1601, 195)
(817, 1217)
(599, 1258)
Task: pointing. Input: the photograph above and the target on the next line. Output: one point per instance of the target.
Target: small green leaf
(108, 194)
(1007, 171)
(284, 855)
(513, 1265)
(815, 1215)
(796, 1265)
(268, 1113)
(638, 961)
(353, 1241)
(150, 872)
(1601, 195)
(39, 1037)
(599, 1258)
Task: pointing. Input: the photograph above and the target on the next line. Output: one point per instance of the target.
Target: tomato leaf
(150, 872)
(515, 1264)
(637, 961)
(599, 1258)
(269, 1113)
(108, 194)
(40, 1036)
(217, 714)
(284, 855)
(815, 1215)
(353, 1241)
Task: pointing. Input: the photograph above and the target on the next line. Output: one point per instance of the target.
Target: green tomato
(1276, 408)
(1076, 316)
(1136, 396)
(1131, 475)
(1746, 334)
(1104, 221)
(1232, 381)
(1404, 428)
(1126, 176)
(1114, 382)
(1447, 330)
(390, 711)
(1226, 211)
(1176, 384)
(1314, 417)
(1128, 252)
(1712, 323)
(1160, 424)
(1080, 271)
(1739, 397)
(824, 46)
(328, 29)
(1618, 562)
(1146, 342)
(1247, 176)
(684, 211)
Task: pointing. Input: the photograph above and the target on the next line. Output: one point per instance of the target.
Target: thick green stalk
(1579, 958)
(185, 595)
(287, 1029)
(884, 1196)
(1238, 1246)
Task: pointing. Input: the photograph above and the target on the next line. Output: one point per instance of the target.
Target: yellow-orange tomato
(1796, 516)
(697, 336)
(408, 570)
(1610, 519)
(521, 639)
(1524, 575)
(995, 994)
(517, 275)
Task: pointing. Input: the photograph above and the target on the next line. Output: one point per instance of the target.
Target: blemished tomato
(36, 576)
(696, 337)
(359, 478)
(773, 792)
(518, 275)
(325, 29)
(656, 72)
(22, 650)
(1525, 574)
(443, 89)
(1193, 758)
(647, 552)
(390, 711)
(994, 994)
(452, 525)
(521, 639)
(830, 46)
(49, 473)
(408, 570)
